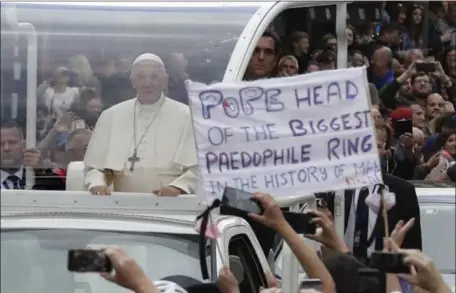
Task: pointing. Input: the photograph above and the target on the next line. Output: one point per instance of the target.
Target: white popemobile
(38, 227)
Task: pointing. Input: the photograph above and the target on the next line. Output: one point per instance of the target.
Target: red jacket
(61, 172)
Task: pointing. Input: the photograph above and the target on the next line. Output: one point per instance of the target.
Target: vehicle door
(437, 213)
(244, 255)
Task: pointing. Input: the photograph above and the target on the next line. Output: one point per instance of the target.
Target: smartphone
(88, 261)
(403, 126)
(241, 200)
(371, 281)
(425, 67)
(312, 284)
(389, 263)
(301, 222)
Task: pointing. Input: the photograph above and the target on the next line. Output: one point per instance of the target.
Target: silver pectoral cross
(133, 159)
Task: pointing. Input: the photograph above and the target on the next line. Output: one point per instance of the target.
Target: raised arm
(308, 258)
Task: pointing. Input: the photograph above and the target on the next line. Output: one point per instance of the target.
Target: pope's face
(149, 80)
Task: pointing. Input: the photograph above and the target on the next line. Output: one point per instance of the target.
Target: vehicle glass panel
(96, 44)
(40, 257)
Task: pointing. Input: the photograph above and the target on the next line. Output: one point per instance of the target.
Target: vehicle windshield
(36, 260)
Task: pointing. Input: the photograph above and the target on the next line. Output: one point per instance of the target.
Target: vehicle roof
(138, 5)
(133, 14)
(149, 4)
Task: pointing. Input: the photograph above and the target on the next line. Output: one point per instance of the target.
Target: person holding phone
(273, 217)
(444, 79)
(403, 159)
(424, 274)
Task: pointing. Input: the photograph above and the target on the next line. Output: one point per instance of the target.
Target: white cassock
(167, 153)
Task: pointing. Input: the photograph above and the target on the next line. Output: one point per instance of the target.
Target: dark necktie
(361, 225)
(15, 181)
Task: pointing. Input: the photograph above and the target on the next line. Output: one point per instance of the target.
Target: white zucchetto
(148, 57)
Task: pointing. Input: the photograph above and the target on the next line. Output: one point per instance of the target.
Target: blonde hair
(289, 57)
(81, 65)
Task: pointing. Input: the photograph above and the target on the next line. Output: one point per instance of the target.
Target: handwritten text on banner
(290, 136)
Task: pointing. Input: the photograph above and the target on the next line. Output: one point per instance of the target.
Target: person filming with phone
(273, 217)
(403, 159)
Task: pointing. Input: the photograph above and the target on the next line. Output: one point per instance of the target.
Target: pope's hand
(100, 190)
(272, 216)
(168, 191)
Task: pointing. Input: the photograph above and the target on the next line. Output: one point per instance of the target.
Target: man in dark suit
(364, 230)
(15, 158)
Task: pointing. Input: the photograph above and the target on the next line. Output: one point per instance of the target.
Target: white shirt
(350, 232)
(59, 103)
(8, 184)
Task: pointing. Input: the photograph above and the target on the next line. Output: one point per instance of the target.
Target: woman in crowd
(59, 96)
(446, 142)
(80, 65)
(415, 24)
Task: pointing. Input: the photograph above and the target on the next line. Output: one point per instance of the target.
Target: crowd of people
(409, 81)
(412, 75)
(336, 268)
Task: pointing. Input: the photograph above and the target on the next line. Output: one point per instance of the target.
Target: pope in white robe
(145, 144)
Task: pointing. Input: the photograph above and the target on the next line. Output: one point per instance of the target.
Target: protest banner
(287, 136)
